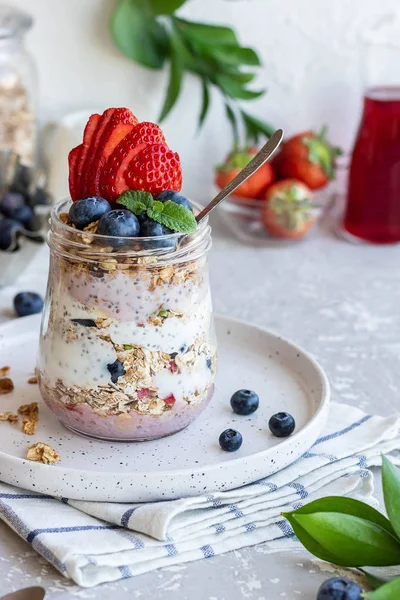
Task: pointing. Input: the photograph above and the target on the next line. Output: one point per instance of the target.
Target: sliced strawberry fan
(117, 154)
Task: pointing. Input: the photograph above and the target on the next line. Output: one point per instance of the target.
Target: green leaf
(158, 206)
(234, 55)
(175, 216)
(389, 591)
(205, 102)
(346, 506)
(234, 89)
(136, 201)
(373, 581)
(139, 36)
(165, 7)
(255, 126)
(175, 77)
(233, 121)
(242, 78)
(391, 492)
(206, 33)
(357, 541)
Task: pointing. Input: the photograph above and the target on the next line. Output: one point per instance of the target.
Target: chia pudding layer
(127, 344)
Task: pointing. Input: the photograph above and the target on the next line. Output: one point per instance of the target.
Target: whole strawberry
(308, 157)
(256, 185)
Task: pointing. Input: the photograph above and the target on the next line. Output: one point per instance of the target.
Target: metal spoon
(30, 593)
(265, 153)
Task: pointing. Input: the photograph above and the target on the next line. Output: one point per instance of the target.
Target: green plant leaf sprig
(150, 33)
(350, 533)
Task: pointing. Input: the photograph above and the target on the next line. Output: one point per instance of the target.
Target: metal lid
(13, 22)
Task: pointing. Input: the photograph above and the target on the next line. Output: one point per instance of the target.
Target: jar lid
(13, 22)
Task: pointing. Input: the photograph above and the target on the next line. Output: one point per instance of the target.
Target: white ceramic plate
(190, 462)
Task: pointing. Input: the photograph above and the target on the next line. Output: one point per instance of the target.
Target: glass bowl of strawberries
(284, 199)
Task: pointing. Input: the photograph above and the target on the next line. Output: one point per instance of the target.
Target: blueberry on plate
(10, 203)
(116, 369)
(282, 424)
(28, 303)
(244, 402)
(230, 440)
(86, 211)
(175, 197)
(339, 588)
(8, 230)
(119, 223)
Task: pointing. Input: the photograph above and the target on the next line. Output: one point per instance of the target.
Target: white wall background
(308, 49)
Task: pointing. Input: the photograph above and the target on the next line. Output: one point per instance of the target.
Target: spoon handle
(265, 153)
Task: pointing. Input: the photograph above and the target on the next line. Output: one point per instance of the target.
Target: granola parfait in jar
(127, 348)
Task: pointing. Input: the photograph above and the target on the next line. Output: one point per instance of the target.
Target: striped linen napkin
(94, 542)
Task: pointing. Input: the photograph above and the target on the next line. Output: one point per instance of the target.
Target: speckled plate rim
(304, 439)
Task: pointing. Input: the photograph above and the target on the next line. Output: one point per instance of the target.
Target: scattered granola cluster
(43, 453)
(39, 452)
(31, 416)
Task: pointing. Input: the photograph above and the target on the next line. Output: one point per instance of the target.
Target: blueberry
(339, 588)
(230, 440)
(28, 303)
(84, 322)
(209, 363)
(244, 402)
(175, 197)
(8, 230)
(10, 203)
(282, 424)
(86, 211)
(120, 222)
(116, 370)
(142, 217)
(150, 228)
(24, 215)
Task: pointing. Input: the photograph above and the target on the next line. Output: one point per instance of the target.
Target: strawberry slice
(73, 159)
(88, 134)
(103, 122)
(112, 176)
(155, 169)
(120, 124)
(170, 400)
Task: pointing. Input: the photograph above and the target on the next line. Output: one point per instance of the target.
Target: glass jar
(127, 348)
(18, 86)
(373, 198)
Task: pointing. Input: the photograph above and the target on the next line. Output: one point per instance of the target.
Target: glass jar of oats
(18, 86)
(127, 348)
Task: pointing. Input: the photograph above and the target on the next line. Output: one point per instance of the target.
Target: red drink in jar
(373, 203)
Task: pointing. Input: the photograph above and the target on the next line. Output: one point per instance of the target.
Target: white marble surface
(338, 301)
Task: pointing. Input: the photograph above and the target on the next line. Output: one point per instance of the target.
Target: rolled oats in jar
(127, 348)
(18, 85)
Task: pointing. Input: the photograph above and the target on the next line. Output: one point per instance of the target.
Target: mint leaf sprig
(350, 533)
(176, 217)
